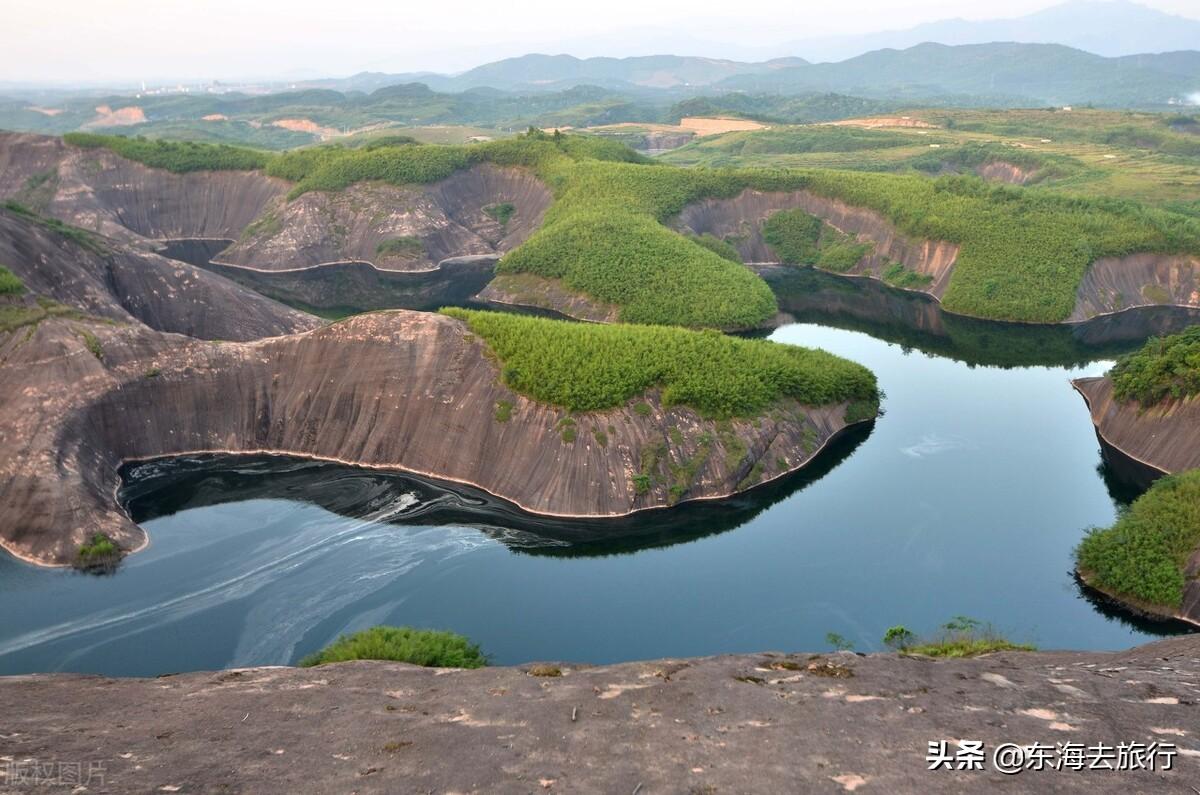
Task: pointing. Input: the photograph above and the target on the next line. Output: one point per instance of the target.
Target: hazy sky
(129, 40)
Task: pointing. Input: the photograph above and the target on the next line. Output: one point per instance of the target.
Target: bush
(959, 637)
(98, 555)
(589, 367)
(407, 246)
(427, 647)
(501, 213)
(177, 156)
(793, 235)
(1144, 555)
(1165, 368)
(9, 283)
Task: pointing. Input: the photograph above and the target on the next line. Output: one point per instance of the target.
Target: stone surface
(750, 723)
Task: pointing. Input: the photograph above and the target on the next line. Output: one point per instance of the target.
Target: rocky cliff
(105, 279)
(747, 723)
(740, 220)
(482, 210)
(400, 390)
(1161, 439)
(1114, 284)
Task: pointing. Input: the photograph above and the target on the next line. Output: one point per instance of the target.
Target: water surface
(967, 498)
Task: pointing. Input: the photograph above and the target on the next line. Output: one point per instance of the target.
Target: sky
(84, 41)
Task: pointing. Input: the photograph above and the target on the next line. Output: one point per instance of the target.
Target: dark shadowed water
(966, 498)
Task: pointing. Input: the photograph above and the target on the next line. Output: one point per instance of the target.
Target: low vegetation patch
(406, 246)
(501, 213)
(80, 237)
(1145, 553)
(1165, 368)
(588, 367)
(98, 555)
(9, 283)
(959, 637)
(177, 156)
(427, 647)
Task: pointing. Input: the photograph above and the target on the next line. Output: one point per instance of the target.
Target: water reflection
(162, 488)
(916, 321)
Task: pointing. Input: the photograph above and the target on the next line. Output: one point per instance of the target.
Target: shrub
(589, 367)
(1145, 553)
(716, 245)
(177, 156)
(98, 555)
(500, 213)
(793, 235)
(407, 246)
(427, 647)
(1165, 368)
(9, 283)
(959, 637)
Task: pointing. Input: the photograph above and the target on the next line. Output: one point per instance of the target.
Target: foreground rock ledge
(721, 724)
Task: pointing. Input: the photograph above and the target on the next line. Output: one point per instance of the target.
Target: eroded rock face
(126, 285)
(396, 228)
(740, 219)
(999, 171)
(1113, 284)
(1165, 437)
(403, 390)
(97, 190)
(717, 724)
(1143, 444)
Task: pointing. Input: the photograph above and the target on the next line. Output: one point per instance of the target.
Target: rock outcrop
(399, 390)
(739, 220)
(102, 278)
(410, 228)
(1162, 439)
(1114, 284)
(747, 723)
(100, 191)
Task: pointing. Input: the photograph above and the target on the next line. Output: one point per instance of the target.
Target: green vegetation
(959, 637)
(22, 314)
(177, 156)
(1144, 555)
(92, 342)
(1165, 368)
(427, 647)
(585, 367)
(899, 276)
(798, 238)
(98, 555)
(406, 246)
(9, 283)
(503, 410)
(716, 245)
(80, 237)
(501, 213)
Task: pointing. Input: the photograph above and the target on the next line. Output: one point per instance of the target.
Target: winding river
(966, 498)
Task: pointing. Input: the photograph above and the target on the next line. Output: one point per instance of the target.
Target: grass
(406, 246)
(80, 237)
(98, 555)
(427, 647)
(590, 367)
(9, 283)
(716, 245)
(959, 637)
(1166, 368)
(1144, 554)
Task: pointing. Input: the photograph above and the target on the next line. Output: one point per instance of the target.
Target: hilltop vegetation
(1166, 368)
(589, 367)
(1022, 252)
(177, 156)
(1143, 556)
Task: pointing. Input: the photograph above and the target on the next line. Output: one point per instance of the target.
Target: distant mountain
(1003, 73)
(537, 72)
(1096, 26)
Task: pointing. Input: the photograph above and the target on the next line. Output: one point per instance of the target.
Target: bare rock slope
(748, 723)
(481, 210)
